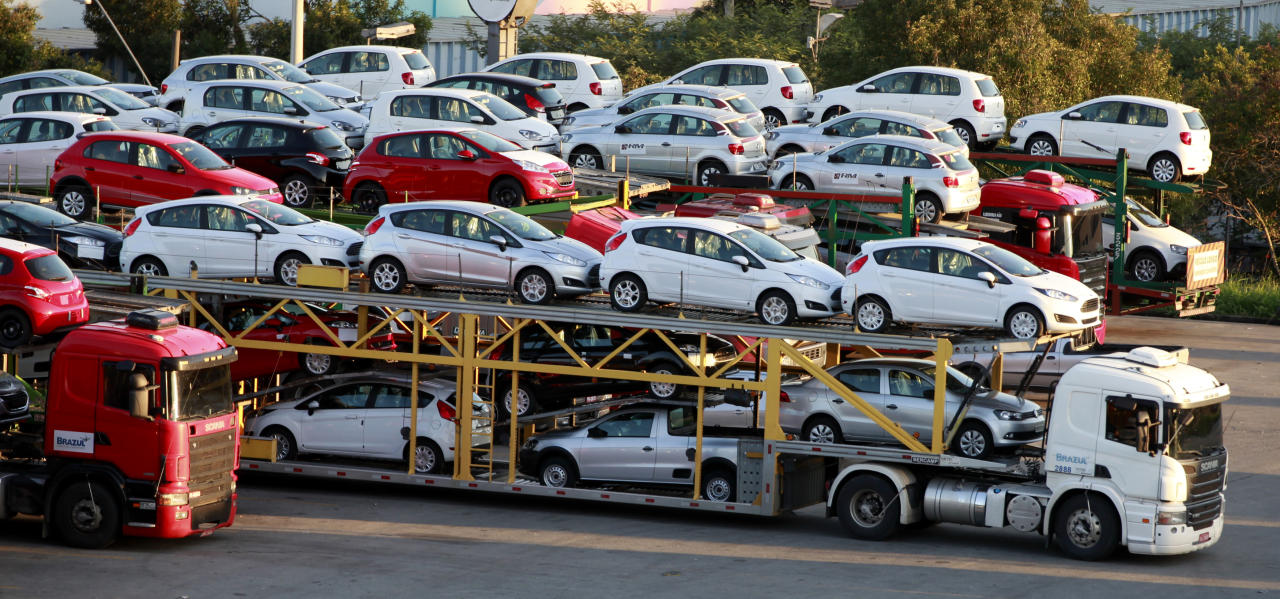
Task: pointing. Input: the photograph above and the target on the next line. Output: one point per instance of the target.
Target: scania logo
(1209, 465)
(216, 425)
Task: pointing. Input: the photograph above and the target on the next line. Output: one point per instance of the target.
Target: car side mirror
(291, 110)
(99, 110)
(499, 241)
(625, 110)
(829, 131)
(175, 168)
(835, 158)
(312, 406)
(622, 129)
(597, 433)
(254, 228)
(868, 88)
(987, 276)
(1073, 116)
(742, 261)
(274, 323)
(478, 119)
(467, 155)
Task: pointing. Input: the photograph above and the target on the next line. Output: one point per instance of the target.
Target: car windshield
(1195, 120)
(957, 382)
(764, 246)
(794, 74)
(1194, 432)
(311, 99)
(416, 60)
(604, 70)
(120, 99)
(949, 136)
(1143, 215)
(82, 78)
(280, 215)
(49, 268)
(488, 141)
(499, 107)
(39, 215)
(201, 393)
(1008, 261)
(523, 226)
(103, 125)
(289, 72)
(741, 128)
(988, 88)
(325, 138)
(742, 105)
(956, 161)
(200, 157)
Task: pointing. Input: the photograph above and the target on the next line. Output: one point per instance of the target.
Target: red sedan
(453, 164)
(135, 168)
(38, 293)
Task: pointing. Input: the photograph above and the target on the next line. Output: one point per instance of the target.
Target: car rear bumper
(50, 318)
(990, 128)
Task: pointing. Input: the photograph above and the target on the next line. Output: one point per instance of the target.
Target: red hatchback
(453, 164)
(38, 293)
(134, 168)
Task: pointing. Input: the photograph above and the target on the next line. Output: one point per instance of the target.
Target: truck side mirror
(139, 399)
(1043, 236)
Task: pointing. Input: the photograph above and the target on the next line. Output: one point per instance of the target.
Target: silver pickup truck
(647, 444)
(1062, 355)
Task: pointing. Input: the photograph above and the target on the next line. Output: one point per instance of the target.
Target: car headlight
(530, 166)
(566, 137)
(1011, 415)
(566, 258)
(809, 281)
(1021, 123)
(1171, 517)
(242, 191)
(339, 100)
(342, 324)
(270, 190)
(1178, 249)
(817, 98)
(155, 122)
(534, 135)
(322, 240)
(344, 126)
(82, 240)
(530, 444)
(1055, 294)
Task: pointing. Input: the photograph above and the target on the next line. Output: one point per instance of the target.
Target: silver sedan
(816, 137)
(708, 96)
(902, 389)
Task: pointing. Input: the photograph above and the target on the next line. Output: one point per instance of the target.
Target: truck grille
(1204, 498)
(564, 178)
(1093, 272)
(212, 457)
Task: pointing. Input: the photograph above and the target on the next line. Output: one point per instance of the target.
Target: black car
(535, 97)
(14, 402)
(79, 244)
(306, 159)
(541, 391)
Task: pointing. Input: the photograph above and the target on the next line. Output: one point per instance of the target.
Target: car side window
(556, 70)
(180, 217)
(591, 336)
(83, 103)
(650, 124)
(907, 158)
(397, 397)
(427, 221)
(692, 100)
(267, 136)
(939, 85)
(151, 156)
(48, 130)
(413, 106)
(517, 67)
(224, 137)
(457, 110)
(265, 100)
(650, 100)
(42, 82)
(960, 264)
(224, 97)
(747, 74)
(470, 226)
(6, 265)
(864, 154)
(33, 102)
(460, 84)
(207, 72)
(861, 380)
(635, 424)
(329, 64)
(10, 131)
(910, 384)
(111, 150)
(1146, 116)
(715, 247)
(688, 125)
(239, 318)
(1101, 112)
(910, 258)
(444, 147)
(708, 75)
(347, 397)
(226, 218)
(403, 146)
(667, 238)
(859, 127)
(681, 421)
(245, 71)
(369, 62)
(896, 83)
(892, 128)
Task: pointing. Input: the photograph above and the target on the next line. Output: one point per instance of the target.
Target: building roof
(1146, 7)
(68, 38)
(454, 29)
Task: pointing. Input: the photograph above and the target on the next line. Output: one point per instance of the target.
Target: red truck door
(131, 444)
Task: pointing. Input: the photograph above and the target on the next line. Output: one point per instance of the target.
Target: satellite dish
(828, 20)
(497, 11)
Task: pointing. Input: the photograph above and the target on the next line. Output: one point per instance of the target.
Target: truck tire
(1085, 527)
(87, 515)
(973, 440)
(719, 484)
(868, 507)
(286, 445)
(559, 472)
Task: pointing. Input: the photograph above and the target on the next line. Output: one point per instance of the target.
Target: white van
(371, 70)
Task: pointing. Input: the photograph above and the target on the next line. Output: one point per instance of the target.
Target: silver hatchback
(476, 245)
(902, 389)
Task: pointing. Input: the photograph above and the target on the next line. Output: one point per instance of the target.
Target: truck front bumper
(179, 521)
(1180, 539)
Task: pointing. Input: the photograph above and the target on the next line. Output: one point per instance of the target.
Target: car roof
(79, 117)
(560, 55)
(713, 91)
(364, 48)
(956, 243)
(61, 89)
(230, 57)
(22, 247)
(436, 91)
(752, 61)
(720, 226)
(892, 361)
(493, 76)
(276, 84)
(222, 199)
(935, 70)
(461, 205)
(147, 136)
(932, 146)
(700, 111)
(1169, 104)
(920, 120)
(271, 120)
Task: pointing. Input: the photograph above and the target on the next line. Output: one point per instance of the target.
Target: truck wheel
(87, 515)
(973, 440)
(718, 484)
(665, 390)
(286, 445)
(822, 429)
(15, 328)
(427, 457)
(872, 315)
(558, 472)
(868, 507)
(1086, 527)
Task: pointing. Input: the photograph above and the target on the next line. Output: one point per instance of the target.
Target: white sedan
(816, 137)
(962, 282)
(945, 181)
(30, 141)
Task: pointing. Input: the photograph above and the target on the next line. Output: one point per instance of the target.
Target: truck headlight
(322, 240)
(1171, 517)
(565, 258)
(1056, 294)
(1178, 249)
(808, 281)
(174, 498)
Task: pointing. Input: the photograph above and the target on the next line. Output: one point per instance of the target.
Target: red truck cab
(141, 435)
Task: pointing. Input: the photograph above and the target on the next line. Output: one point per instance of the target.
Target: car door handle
(666, 144)
(138, 177)
(89, 168)
(879, 174)
(352, 417)
(837, 400)
(647, 448)
(402, 236)
(892, 406)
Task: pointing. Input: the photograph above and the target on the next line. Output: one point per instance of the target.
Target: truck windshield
(200, 393)
(1085, 231)
(1194, 432)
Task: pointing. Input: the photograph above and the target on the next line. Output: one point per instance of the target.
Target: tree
(215, 27)
(20, 51)
(332, 23)
(148, 25)
(615, 31)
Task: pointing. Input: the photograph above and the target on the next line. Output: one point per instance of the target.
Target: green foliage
(614, 31)
(147, 24)
(214, 27)
(1250, 297)
(333, 23)
(20, 51)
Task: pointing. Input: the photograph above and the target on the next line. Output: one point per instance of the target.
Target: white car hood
(167, 116)
(1172, 236)
(1042, 116)
(1061, 282)
(594, 115)
(328, 229)
(539, 158)
(569, 246)
(811, 268)
(331, 90)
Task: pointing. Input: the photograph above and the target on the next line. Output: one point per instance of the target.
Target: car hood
(93, 230)
(1061, 282)
(1041, 116)
(154, 112)
(330, 90)
(594, 115)
(812, 268)
(558, 434)
(1172, 236)
(238, 177)
(1003, 401)
(795, 129)
(543, 159)
(328, 229)
(350, 117)
(566, 245)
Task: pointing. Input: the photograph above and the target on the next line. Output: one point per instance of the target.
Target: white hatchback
(683, 95)
(371, 70)
(435, 107)
(246, 67)
(232, 236)
(584, 81)
(475, 244)
(208, 104)
(779, 88)
(816, 137)
(31, 141)
(126, 111)
(945, 181)
(1168, 139)
(962, 282)
(1156, 250)
(970, 101)
(715, 263)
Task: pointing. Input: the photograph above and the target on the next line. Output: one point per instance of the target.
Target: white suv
(371, 70)
(779, 88)
(1156, 250)
(1168, 139)
(584, 81)
(237, 66)
(207, 104)
(435, 107)
(710, 262)
(970, 101)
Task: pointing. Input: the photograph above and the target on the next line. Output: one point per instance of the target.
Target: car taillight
(614, 242)
(407, 77)
(1185, 136)
(927, 134)
(980, 105)
(737, 149)
(783, 397)
(133, 226)
(855, 266)
(951, 181)
(534, 103)
(446, 411)
(317, 158)
(721, 104)
(788, 93)
(596, 88)
(37, 292)
(374, 225)
(164, 88)
(57, 165)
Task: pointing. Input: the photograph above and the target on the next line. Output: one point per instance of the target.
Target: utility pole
(728, 9)
(295, 32)
(102, 6)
